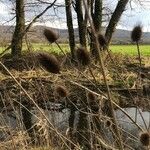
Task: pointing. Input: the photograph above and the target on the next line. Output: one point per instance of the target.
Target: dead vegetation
(46, 90)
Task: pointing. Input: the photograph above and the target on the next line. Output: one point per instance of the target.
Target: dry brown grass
(39, 84)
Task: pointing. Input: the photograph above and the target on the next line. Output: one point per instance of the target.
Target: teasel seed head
(136, 33)
(49, 62)
(102, 40)
(83, 56)
(91, 97)
(61, 91)
(50, 35)
(145, 138)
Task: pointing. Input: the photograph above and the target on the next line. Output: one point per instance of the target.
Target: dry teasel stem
(61, 91)
(50, 35)
(145, 138)
(49, 62)
(83, 56)
(112, 114)
(136, 33)
(136, 36)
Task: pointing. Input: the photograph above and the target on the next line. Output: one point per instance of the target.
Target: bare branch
(38, 16)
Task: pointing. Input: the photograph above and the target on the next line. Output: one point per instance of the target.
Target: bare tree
(97, 15)
(115, 19)
(81, 22)
(20, 29)
(70, 27)
(16, 44)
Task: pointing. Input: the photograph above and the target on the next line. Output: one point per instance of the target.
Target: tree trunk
(19, 29)
(70, 27)
(115, 19)
(96, 13)
(81, 23)
(97, 16)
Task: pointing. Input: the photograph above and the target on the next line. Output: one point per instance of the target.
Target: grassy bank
(123, 49)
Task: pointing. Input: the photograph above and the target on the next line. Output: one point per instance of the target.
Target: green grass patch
(130, 50)
(50, 47)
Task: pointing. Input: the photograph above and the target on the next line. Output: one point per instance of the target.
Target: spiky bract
(49, 62)
(83, 56)
(50, 35)
(136, 33)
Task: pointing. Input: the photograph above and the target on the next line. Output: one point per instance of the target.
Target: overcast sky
(134, 14)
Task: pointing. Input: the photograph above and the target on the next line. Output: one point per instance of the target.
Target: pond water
(131, 131)
(138, 116)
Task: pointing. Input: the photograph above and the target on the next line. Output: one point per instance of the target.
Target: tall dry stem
(110, 101)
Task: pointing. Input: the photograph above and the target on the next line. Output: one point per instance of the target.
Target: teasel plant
(115, 128)
(84, 59)
(83, 56)
(49, 62)
(136, 35)
(93, 102)
(145, 139)
(52, 37)
(63, 92)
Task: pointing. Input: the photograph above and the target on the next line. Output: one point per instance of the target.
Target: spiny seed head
(49, 62)
(50, 35)
(83, 56)
(136, 33)
(145, 138)
(91, 97)
(102, 40)
(61, 91)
